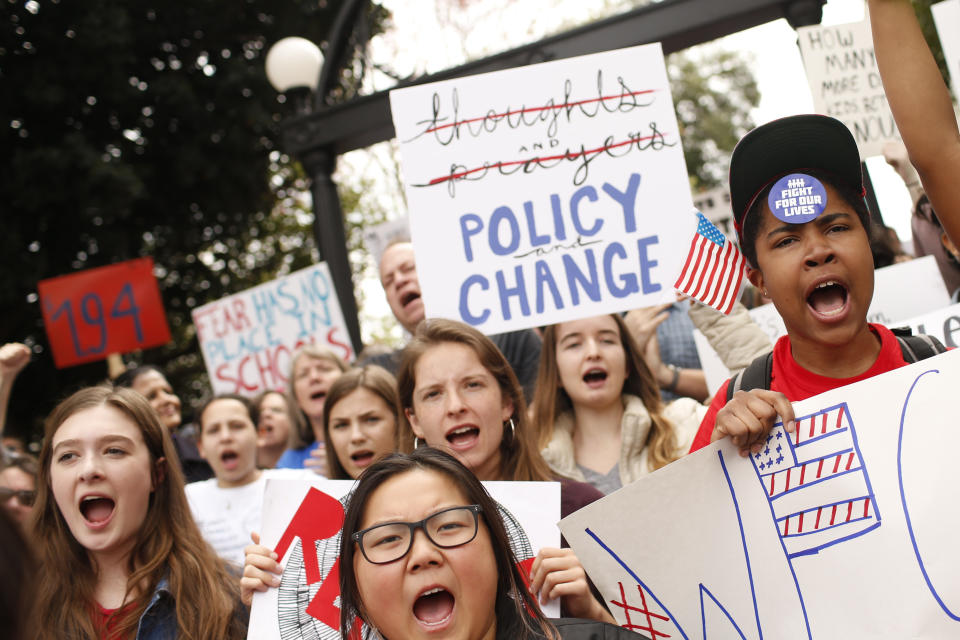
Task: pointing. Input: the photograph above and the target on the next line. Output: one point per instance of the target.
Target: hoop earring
(416, 442)
(513, 429)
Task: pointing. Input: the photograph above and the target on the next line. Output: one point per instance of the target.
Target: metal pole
(328, 230)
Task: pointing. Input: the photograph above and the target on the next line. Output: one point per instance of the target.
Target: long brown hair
(519, 457)
(517, 613)
(377, 381)
(301, 431)
(550, 400)
(168, 545)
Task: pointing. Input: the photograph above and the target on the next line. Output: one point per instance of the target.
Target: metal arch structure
(317, 138)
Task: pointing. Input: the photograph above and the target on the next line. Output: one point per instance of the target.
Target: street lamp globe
(294, 63)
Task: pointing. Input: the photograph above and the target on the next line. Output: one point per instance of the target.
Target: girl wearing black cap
(797, 194)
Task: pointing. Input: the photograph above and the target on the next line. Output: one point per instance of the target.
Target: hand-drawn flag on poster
(713, 271)
(816, 483)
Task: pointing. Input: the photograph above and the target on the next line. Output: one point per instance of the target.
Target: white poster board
(248, 338)
(843, 529)
(548, 192)
(946, 16)
(900, 292)
(297, 512)
(843, 76)
(380, 236)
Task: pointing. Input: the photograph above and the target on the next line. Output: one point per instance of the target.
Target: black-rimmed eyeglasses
(391, 541)
(25, 497)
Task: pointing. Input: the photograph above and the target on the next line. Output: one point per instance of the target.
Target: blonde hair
(519, 457)
(168, 545)
(301, 432)
(551, 400)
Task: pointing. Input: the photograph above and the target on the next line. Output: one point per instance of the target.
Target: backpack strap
(921, 347)
(757, 375)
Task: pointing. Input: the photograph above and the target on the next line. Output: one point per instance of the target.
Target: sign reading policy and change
(248, 338)
(547, 192)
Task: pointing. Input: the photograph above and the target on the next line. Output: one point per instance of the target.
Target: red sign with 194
(112, 309)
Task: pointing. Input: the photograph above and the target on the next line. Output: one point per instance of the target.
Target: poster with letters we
(302, 523)
(548, 192)
(843, 528)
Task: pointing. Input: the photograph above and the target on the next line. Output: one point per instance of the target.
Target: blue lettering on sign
(545, 278)
(499, 215)
(517, 290)
(465, 313)
(628, 280)
(646, 264)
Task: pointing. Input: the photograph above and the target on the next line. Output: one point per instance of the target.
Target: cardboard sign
(843, 76)
(302, 523)
(546, 193)
(248, 338)
(93, 313)
(901, 291)
(842, 529)
(946, 16)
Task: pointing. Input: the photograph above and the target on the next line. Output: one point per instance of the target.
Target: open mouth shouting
(828, 299)
(230, 459)
(409, 297)
(595, 377)
(463, 436)
(97, 510)
(362, 458)
(433, 608)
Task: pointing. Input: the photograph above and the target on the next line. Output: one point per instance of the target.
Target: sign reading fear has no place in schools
(546, 193)
(248, 339)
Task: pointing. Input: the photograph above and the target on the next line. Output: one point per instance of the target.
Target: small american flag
(713, 272)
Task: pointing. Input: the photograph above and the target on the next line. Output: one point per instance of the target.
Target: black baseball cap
(796, 144)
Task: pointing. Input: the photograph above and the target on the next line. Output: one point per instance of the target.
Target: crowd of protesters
(130, 524)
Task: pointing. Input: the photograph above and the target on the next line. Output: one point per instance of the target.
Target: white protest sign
(548, 192)
(946, 15)
(248, 338)
(843, 529)
(900, 292)
(378, 237)
(942, 324)
(299, 515)
(843, 76)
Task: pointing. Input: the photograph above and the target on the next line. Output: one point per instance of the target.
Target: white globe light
(294, 62)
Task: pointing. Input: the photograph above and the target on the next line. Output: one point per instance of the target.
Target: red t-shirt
(797, 383)
(106, 625)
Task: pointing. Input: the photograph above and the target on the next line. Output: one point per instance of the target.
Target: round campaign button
(797, 198)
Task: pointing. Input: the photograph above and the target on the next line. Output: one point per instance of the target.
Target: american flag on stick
(714, 269)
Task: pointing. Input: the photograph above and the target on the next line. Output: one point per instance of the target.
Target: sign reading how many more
(546, 192)
(248, 338)
(845, 82)
(94, 313)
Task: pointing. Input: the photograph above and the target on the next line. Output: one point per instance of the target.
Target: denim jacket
(159, 619)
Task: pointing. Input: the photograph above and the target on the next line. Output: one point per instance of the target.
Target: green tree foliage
(133, 128)
(713, 93)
